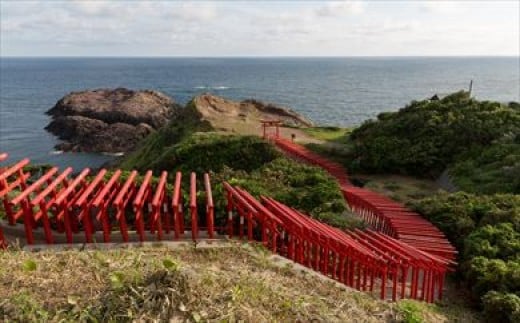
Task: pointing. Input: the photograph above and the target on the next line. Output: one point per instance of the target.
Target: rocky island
(106, 120)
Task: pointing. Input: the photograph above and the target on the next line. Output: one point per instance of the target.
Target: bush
(426, 136)
(485, 274)
(490, 170)
(500, 241)
(501, 307)
(209, 151)
(487, 229)
(459, 214)
(308, 189)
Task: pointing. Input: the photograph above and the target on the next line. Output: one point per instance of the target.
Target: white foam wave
(118, 154)
(221, 88)
(56, 152)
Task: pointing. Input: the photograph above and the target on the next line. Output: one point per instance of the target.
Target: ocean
(330, 91)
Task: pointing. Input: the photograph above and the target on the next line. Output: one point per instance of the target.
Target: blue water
(332, 91)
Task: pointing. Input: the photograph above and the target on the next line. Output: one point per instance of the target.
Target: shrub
(308, 189)
(208, 151)
(459, 214)
(490, 169)
(426, 136)
(501, 307)
(485, 274)
(500, 241)
(487, 229)
(410, 311)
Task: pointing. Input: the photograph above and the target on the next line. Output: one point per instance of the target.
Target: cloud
(442, 6)
(256, 28)
(340, 8)
(97, 7)
(196, 11)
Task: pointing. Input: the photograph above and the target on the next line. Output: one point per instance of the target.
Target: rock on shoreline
(106, 120)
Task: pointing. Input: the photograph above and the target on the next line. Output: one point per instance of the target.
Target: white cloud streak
(150, 28)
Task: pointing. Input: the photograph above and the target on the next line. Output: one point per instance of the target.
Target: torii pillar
(269, 124)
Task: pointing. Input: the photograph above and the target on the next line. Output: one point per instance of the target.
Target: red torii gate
(269, 124)
(88, 202)
(408, 258)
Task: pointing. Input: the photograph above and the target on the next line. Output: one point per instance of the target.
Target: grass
(336, 152)
(495, 169)
(330, 134)
(235, 283)
(401, 188)
(411, 310)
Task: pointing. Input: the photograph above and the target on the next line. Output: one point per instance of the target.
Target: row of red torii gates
(401, 256)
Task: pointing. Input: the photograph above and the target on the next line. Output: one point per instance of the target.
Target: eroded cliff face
(244, 116)
(109, 120)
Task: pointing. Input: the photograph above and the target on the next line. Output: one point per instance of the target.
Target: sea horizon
(273, 56)
(332, 91)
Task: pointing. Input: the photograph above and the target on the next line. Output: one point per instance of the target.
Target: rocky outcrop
(230, 115)
(109, 120)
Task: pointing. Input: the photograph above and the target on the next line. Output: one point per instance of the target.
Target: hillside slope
(184, 284)
(427, 136)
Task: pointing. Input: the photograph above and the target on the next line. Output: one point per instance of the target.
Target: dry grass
(235, 283)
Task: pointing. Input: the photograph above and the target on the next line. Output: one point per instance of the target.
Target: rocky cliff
(235, 116)
(107, 120)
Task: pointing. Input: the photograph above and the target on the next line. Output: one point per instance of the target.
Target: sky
(259, 28)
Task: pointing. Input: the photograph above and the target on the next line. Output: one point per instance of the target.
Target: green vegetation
(308, 189)
(155, 149)
(486, 230)
(427, 136)
(492, 169)
(203, 152)
(336, 143)
(187, 144)
(414, 311)
(398, 187)
(478, 142)
(459, 214)
(251, 163)
(331, 134)
(340, 153)
(231, 282)
(228, 283)
(501, 307)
